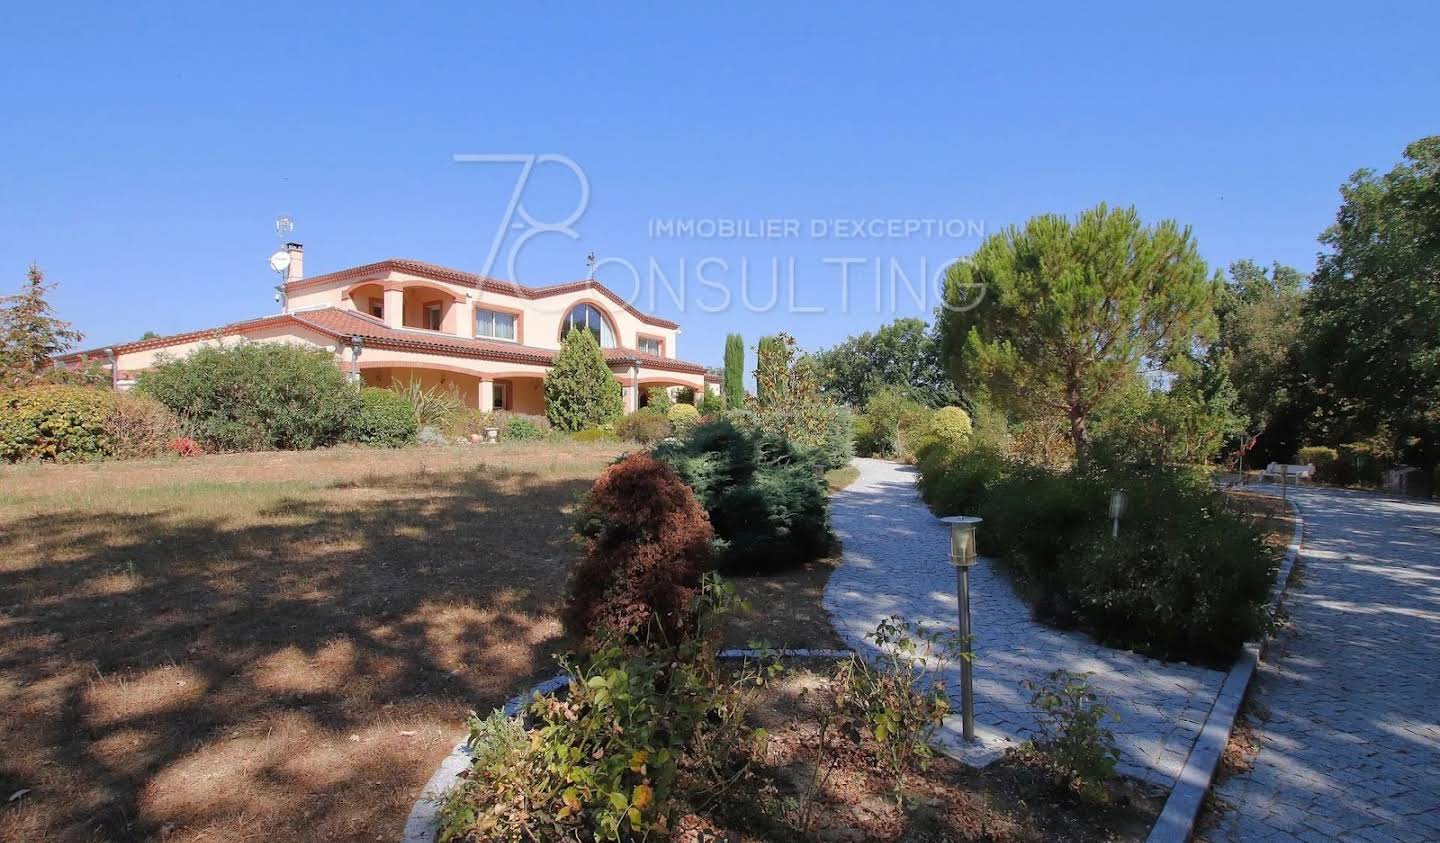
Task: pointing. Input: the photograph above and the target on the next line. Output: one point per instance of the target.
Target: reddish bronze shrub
(647, 546)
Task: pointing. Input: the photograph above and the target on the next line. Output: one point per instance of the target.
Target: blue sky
(148, 148)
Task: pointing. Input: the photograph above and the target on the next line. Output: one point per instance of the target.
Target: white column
(394, 307)
(464, 316)
(487, 394)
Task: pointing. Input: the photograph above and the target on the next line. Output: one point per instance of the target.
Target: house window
(591, 319)
(501, 392)
(432, 316)
(494, 325)
(652, 345)
(377, 307)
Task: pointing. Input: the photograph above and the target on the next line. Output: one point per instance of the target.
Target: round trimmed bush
(522, 429)
(386, 419)
(948, 427)
(683, 418)
(58, 423)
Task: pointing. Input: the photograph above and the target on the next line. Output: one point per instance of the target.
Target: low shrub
(430, 436)
(646, 426)
(1189, 577)
(184, 446)
(767, 501)
(647, 544)
(837, 447)
(1317, 455)
(256, 396)
(683, 418)
(685, 395)
(595, 434)
(138, 426)
(522, 429)
(711, 405)
(56, 423)
(957, 479)
(1080, 750)
(386, 419)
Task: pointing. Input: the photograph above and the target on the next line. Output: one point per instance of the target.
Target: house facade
(490, 341)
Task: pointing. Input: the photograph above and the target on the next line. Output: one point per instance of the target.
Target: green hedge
(766, 499)
(1188, 578)
(59, 423)
(386, 419)
(256, 396)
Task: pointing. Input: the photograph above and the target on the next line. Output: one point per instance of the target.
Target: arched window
(590, 318)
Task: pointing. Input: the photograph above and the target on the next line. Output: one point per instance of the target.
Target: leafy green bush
(522, 429)
(604, 760)
(947, 427)
(766, 500)
(386, 419)
(138, 426)
(711, 405)
(659, 398)
(1188, 578)
(256, 396)
(956, 479)
(1073, 738)
(646, 426)
(580, 389)
(683, 418)
(788, 404)
(59, 423)
(892, 418)
(1317, 455)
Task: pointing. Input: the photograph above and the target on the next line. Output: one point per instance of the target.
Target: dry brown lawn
(267, 646)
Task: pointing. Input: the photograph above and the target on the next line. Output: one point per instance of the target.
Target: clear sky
(148, 148)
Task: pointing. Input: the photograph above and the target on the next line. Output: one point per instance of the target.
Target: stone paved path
(1351, 747)
(896, 562)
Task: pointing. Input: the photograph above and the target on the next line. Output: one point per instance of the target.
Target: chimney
(296, 270)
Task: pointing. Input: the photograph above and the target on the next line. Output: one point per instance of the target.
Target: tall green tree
(580, 390)
(1051, 318)
(903, 355)
(1259, 316)
(734, 380)
(30, 332)
(768, 351)
(1371, 337)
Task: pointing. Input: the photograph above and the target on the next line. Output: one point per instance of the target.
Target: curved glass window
(590, 318)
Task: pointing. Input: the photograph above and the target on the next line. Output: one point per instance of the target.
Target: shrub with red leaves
(647, 546)
(185, 447)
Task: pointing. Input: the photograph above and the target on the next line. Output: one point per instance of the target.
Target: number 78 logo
(517, 217)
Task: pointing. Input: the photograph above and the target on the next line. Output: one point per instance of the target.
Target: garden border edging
(1176, 822)
(424, 820)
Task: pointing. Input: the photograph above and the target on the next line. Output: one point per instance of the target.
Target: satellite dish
(280, 261)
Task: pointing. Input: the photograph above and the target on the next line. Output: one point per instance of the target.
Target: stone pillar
(394, 307)
(487, 394)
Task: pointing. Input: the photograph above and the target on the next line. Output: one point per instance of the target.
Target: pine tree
(30, 333)
(734, 371)
(580, 390)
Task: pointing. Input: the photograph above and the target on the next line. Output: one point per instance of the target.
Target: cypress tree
(734, 370)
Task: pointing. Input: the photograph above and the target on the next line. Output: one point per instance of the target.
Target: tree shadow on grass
(290, 669)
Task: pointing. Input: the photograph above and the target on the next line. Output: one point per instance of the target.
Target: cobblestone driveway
(896, 562)
(1351, 747)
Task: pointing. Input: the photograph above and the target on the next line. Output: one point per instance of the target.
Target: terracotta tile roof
(341, 325)
(470, 279)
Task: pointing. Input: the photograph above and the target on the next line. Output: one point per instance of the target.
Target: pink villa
(491, 341)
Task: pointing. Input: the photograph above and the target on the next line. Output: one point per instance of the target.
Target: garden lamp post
(962, 556)
(1284, 482)
(1119, 500)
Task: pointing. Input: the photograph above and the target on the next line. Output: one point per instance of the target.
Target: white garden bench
(1281, 470)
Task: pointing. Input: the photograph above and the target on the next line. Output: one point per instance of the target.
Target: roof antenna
(590, 266)
(280, 261)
